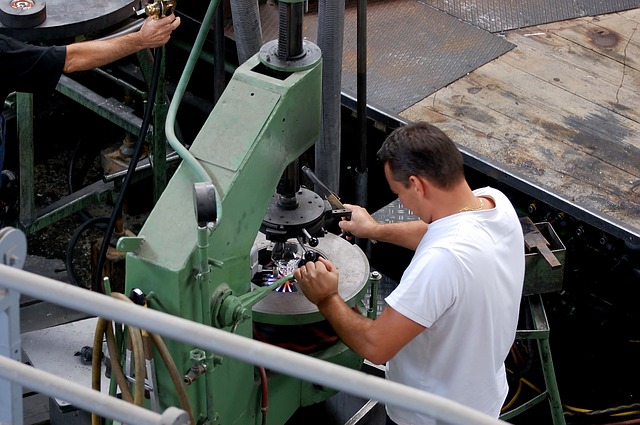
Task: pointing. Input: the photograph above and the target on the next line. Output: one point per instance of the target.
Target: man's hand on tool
(318, 281)
(156, 32)
(361, 224)
(406, 234)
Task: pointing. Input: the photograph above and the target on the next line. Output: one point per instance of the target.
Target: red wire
(265, 394)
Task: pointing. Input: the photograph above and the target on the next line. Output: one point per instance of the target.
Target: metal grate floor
(502, 15)
(404, 67)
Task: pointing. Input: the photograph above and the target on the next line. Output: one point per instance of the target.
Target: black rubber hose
(73, 278)
(157, 60)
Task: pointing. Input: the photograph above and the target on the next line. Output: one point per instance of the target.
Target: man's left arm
(375, 340)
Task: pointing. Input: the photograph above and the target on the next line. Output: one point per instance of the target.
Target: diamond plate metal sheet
(404, 67)
(389, 259)
(502, 15)
(394, 212)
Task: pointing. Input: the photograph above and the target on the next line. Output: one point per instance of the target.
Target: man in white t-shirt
(451, 321)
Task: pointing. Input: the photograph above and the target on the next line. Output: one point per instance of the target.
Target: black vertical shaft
(290, 31)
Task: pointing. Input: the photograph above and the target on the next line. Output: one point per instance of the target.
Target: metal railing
(221, 342)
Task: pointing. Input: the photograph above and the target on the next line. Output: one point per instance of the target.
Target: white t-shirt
(464, 284)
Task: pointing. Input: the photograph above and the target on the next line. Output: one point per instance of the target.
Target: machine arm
(228, 309)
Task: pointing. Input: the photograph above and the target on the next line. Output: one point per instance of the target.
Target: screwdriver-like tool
(330, 196)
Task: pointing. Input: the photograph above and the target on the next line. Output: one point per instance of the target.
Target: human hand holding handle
(361, 225)
(317, 280)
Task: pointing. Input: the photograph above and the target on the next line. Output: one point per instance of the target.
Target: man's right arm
(406, 234)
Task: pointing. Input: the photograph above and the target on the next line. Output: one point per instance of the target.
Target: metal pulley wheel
(22, 13)
(13, 247)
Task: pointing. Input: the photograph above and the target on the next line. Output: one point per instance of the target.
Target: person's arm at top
(375, 340)
(406, 234)
(91, 54)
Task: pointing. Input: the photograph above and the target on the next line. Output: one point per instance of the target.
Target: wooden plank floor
(561, 111)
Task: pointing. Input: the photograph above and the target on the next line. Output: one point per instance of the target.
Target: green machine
(220, 252)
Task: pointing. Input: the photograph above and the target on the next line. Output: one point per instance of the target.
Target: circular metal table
(72, 18)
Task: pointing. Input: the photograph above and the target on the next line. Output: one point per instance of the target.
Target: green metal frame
(540, 333)
(31, 220)
(259, 126)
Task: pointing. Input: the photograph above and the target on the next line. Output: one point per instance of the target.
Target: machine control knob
(311, 240)
(138, 296)
(311, 256)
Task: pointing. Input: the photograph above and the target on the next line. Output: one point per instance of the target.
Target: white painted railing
(218, 341)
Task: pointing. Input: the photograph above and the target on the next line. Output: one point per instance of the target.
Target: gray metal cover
(413, 51)
(502, 15)
(440, 50)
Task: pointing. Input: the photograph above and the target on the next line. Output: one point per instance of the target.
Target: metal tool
(534, 240)
(325, 191)
(159, 9)
(330, 196)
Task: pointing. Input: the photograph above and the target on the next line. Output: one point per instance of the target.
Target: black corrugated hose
(157, 60)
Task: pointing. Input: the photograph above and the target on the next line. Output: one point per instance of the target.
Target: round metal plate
(310, 209)
(289, 308)
(268, 55)
(22, 13)
(71, 18)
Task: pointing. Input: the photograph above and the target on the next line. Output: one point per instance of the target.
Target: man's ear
(421, 185)
(417, 184)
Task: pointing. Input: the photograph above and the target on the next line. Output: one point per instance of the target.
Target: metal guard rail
(222, 342)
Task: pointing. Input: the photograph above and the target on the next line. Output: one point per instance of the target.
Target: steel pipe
(261, 354)
(86, 398)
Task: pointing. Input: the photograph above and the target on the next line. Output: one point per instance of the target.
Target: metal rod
(290, 31)
(261, 354)
(122, 83)
(24, 111)
(362, 169)
(361, 84)
(84, 398)
(10, 347)
(219, 78)
(362, 413)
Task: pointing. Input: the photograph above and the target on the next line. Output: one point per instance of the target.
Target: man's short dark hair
(421, 149)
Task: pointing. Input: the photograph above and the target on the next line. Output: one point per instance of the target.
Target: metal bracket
(129, 243)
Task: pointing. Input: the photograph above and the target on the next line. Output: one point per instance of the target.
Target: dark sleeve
(28, 68)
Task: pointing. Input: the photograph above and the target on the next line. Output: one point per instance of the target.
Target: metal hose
(188, 158)
(166, 358)
(330, 41)
(246, 27)
(96, 284)
(138, 353)
(114, 355)
(173, 373)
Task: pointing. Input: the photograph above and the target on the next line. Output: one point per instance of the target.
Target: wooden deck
(557, 117)
(561, 113)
